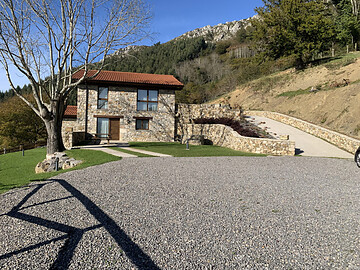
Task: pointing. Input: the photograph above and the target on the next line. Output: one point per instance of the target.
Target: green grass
(179, 150)
(291, 94)
(266, 83)
(130, 152)
(342, 61)
(17, 171)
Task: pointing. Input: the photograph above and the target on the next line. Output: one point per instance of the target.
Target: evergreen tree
(159, 58)
(347, 23)
(293, 27)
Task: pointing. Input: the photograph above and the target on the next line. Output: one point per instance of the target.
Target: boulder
(71, 163)
(49, 164)
(45, 166)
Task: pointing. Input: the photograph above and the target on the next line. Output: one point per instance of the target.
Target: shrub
(234, 124)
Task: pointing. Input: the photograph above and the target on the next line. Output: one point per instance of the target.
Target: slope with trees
(19, 124)
(293, 27)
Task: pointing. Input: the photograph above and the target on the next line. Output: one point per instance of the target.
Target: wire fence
(21, 147)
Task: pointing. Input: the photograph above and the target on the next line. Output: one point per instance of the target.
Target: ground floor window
(142, 124)
(102, 127)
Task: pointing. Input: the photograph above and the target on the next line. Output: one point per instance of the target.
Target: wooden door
(114, 129)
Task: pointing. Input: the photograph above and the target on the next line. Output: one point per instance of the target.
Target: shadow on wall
(74, 235)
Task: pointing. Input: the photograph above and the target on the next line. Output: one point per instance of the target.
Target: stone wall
(71, 138)
(225, 136)
(67, 136)
(342, 141)
(188, 112)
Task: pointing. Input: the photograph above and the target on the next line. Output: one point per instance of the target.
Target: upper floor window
(103, 98)
(147, 100)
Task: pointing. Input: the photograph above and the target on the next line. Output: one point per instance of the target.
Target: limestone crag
(129, 49)
(49, 164)
(222, 31)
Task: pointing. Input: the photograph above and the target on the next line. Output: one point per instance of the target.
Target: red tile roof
(129, 78)
(70, 111)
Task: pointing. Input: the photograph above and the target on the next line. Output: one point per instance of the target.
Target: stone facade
(122, 105)
(342, 141)
(225, 136)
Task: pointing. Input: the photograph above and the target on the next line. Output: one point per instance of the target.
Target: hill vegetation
(327, 94)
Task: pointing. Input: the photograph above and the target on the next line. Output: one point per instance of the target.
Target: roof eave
(159, 86)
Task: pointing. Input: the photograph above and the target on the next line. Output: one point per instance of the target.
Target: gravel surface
(188, 213)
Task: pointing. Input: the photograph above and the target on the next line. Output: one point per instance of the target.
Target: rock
(71, 163)
(49, 164)
(45, 166)
(284, 137)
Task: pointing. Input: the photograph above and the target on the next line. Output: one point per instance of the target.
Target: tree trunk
(54, 140)
(53, 128)
(299, 63)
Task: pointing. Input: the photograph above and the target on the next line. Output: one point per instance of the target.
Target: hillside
(335, 105)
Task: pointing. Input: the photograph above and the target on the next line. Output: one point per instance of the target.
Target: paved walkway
(306, 144)
(107, 149)
(146, 152)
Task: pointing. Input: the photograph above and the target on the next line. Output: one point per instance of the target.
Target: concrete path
(146, 152)
(306, 144)
(104, 148)
(107, 149)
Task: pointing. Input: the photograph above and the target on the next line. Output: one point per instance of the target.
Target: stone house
(123, 106)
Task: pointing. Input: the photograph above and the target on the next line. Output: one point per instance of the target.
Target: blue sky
(174, 18)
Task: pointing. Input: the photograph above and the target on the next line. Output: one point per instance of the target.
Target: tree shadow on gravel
(74, 235)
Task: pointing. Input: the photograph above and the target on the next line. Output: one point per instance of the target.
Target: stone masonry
(342, 141)
(225, 136)
(122, 103)
(222, 135)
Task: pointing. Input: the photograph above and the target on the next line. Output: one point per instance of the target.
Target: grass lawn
(17, 171)
(130, 152)
(179, 150)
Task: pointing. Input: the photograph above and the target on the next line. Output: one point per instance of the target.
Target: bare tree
(50, 40)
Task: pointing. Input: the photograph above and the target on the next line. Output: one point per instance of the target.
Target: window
(142, 124)
(147, 100)
(103, 98)
(102, 127)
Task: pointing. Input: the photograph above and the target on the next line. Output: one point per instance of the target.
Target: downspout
(86, 110)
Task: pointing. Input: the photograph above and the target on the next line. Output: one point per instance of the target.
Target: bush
(234, 124)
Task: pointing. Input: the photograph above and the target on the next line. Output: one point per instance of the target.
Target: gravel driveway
(188, 213)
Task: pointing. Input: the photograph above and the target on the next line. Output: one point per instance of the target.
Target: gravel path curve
(188, 213)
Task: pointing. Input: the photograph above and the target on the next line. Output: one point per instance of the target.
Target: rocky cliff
(222, 31)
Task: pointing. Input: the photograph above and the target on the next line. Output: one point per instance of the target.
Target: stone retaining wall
(225, 136)
(71, 138)
(342, 141)
(188, 112)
